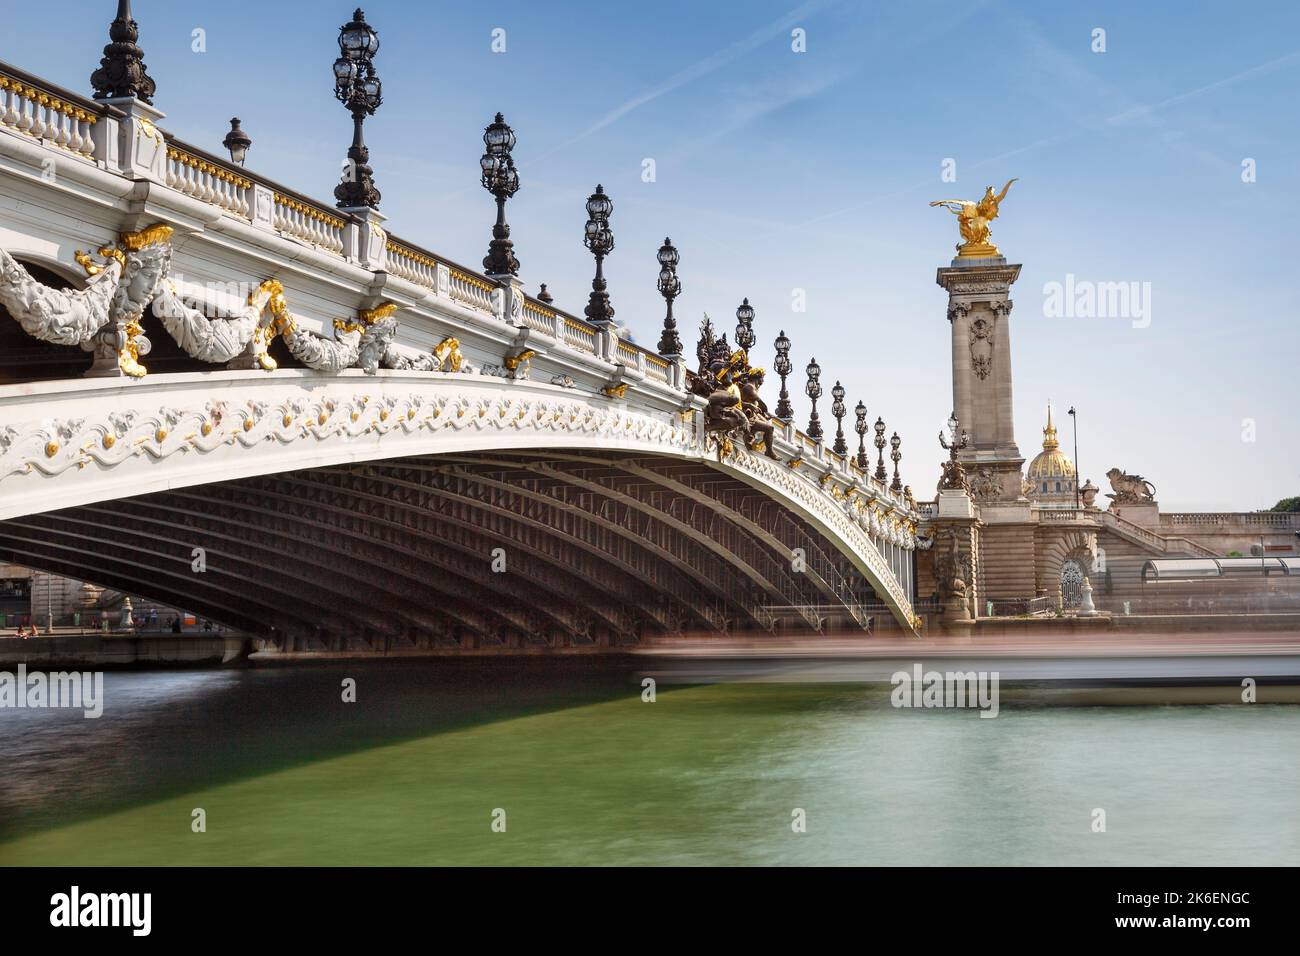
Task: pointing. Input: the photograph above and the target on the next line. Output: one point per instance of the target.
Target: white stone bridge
(218, 393)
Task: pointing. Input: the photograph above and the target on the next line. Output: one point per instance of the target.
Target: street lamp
(745, 327)
(881, 474)
(237, 141)
(1074, 418)
(357, 87)
(501, 179)
(838, 410)
(814, 391)
(600, 240)
(860, 426)
(783, 368)
(670, 287)
(897, 456)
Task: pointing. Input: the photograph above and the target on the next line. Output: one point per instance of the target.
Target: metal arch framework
(375, 506)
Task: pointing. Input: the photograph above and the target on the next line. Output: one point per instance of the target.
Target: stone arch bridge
(222, 395)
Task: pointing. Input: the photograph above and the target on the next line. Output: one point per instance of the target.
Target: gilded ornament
(973, 218)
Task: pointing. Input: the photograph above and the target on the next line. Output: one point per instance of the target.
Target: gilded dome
(1051, 462)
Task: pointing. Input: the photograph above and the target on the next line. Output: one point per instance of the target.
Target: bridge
(271, 411)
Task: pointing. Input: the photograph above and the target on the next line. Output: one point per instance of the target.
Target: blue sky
(778, 171)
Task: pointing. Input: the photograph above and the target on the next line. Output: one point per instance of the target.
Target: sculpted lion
(1130, 488)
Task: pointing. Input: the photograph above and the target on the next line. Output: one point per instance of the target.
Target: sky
(1162, 152)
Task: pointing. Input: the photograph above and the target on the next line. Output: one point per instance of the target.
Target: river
(563, 762)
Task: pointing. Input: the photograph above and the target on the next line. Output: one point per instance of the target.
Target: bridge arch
(337, 497)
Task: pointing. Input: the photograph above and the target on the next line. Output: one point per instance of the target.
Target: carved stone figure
(755, 409)
(104, 318)
(981, 347)
(1130, 489)
(985, 485)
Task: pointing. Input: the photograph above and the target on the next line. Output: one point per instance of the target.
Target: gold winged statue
(973, 219)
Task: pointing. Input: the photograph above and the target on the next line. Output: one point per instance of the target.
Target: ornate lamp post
(897, 456)
(237, 141)
(860, 426)
(122, 72)
(837, 409)
(670, 287)
(358, 88)
(1074, 415)
(954, 475)
(783, 368)
(881, 474)
(814, 391)
(745, 327)
(501, 179)
(600, 240)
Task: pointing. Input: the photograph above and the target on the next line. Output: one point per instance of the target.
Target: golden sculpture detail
(152, 236)
(973, 220)
(128, 357)
(447, 354)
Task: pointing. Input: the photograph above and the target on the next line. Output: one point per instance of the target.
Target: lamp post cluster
(357, 87)
(783, 368)
(814, 391)
(501, 179)
(599, 239)
(860, 426)
(670, 287)
(837, 409)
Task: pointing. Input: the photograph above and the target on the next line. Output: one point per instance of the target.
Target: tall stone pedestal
(979, 310)
(956, 559)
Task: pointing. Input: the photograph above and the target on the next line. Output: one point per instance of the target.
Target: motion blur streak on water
(591, 774)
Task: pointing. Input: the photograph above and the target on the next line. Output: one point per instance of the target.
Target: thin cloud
(691, 73)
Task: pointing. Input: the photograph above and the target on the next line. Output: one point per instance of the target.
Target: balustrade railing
(1267, 519)
(411, 264)
(470, 290)
(204, 180)
(579, 335)
(47, 113)
(539, 317)
(656, 367)
(308, 223)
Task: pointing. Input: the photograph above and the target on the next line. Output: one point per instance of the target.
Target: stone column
(979, 310)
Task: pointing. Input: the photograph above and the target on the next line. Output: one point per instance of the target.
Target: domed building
(1051, 478)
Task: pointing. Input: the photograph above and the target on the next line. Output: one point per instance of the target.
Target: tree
(1287, 504)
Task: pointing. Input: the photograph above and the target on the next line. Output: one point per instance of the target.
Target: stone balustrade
(201, 179)
(412, 265)
(309, 223)
(55, 118)
(579, 335)
(1279, 520)
(541, 318)
(471, 290)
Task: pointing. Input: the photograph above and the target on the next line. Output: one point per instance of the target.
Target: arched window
(1058, 486)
